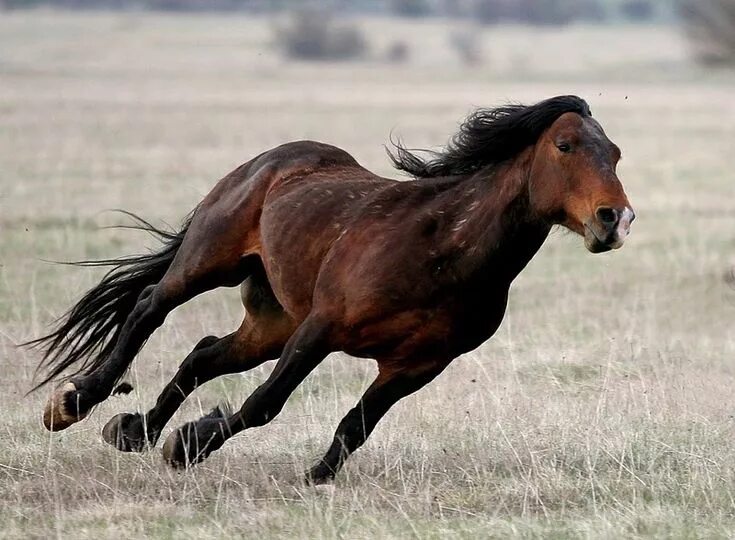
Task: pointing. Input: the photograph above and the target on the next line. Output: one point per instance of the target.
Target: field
(603, 407)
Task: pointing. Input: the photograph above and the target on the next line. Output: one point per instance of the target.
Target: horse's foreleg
(254, 343)
(389, 387)
(306, 348)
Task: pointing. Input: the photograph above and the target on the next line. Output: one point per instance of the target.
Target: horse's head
(574, 182)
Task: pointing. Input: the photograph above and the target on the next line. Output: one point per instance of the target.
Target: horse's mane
(488, 137)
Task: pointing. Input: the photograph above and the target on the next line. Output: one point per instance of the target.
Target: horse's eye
(564, 147)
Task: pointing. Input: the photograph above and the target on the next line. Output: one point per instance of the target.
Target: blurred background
(115, 81)
(602, 407)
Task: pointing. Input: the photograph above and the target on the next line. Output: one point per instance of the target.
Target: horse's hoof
(319, 475)
(62, 409)
(127, 433)
(173, 450)
(193, 442)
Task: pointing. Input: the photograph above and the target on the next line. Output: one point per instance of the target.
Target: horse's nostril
(607, 215)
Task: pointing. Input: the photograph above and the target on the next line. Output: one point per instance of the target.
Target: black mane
(488, 137)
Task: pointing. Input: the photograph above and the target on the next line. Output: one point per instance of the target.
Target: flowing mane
(488, 137)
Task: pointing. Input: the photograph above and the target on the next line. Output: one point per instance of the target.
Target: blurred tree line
(709, 24)
(484, 11)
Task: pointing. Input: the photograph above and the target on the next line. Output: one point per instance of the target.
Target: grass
(601, 409)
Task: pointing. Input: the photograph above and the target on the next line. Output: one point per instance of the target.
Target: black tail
(87, 333)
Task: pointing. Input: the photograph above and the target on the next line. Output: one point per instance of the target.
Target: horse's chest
(474, 321)
(445, 330)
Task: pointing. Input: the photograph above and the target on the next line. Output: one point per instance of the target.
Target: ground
(604, 405)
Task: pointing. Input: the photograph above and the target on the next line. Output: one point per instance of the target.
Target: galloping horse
(331, 257)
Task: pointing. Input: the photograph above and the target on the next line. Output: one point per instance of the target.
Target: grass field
(602, 408)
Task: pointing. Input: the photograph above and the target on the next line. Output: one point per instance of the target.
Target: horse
(331, 257)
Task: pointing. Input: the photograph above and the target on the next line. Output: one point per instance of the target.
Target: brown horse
(332, 257)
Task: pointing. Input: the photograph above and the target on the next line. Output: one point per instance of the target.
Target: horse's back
(240, 198)
(307, 161)
(286, 163)
(314, 191)
(308, 153)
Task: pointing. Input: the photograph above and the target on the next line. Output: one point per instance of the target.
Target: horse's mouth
(594, 244)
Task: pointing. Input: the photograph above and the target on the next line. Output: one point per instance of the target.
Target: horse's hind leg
(391, 385)
(306, 348)
(75, 399)
(197, 267)
(134, 432)
(261, 337)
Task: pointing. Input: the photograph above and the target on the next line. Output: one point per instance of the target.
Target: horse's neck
(493, 226)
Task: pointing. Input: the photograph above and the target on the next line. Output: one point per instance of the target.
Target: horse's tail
(87, 333)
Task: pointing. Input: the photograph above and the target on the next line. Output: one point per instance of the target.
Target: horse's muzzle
(608, 229)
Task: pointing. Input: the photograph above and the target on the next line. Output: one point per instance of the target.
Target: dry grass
(602, 408)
